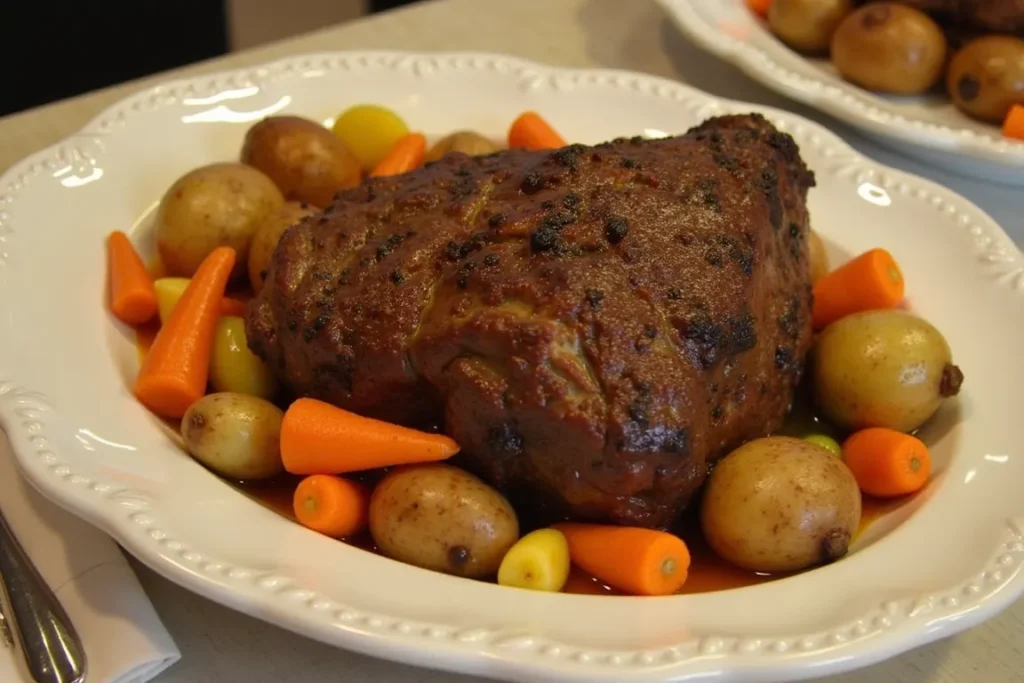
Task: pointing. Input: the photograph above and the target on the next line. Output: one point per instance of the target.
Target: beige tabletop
(221, 646)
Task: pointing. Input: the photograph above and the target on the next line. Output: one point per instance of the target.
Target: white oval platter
(943, 563)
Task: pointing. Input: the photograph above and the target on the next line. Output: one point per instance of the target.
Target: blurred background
(64, 48)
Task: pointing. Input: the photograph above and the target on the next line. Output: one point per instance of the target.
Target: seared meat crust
(594, 325)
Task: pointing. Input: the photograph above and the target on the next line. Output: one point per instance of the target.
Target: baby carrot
(635, 560)
(1013, 126)
(871, 281)
(887, 463)
(318, 438)
(530, 131)
(760, 7)
(132, 297)
(174, 373)
(331, 505)
(406, 155)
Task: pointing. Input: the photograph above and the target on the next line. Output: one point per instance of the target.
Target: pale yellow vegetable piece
(168, 291)
(538, 561)
(369, 131)
(233, 367)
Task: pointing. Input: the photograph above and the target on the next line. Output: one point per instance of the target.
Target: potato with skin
(307, 161)
(891, 48)
(268, 233)
(780, 504)
(442, 518)
(882, 369)
(986, 77)
(818, 255)
(465, 141)
(219, 205)
(807, 25)
(235, 435)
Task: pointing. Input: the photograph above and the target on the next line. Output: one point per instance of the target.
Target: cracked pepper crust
(595, 326)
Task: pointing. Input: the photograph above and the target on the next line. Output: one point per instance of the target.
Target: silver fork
(48, 641)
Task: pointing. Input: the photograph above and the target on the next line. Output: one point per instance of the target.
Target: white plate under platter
(951, 559)
(928, 127)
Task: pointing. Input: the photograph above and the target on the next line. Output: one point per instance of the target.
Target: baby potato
(891, 48)
(538, 561)
(884, 368)
(267, 236)
(780, 504)
(807, 25)
(308, 163)
(233, 367)
(214, 206)
(442, 518)
(370, 131)
(465, 141)
(819, 256)
(235, 435)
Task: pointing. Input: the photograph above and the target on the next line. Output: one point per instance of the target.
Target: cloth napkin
(124, 640)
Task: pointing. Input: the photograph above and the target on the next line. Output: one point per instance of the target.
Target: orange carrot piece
(635, 560)
(331, 505)
(229, 306)
(530, 131)
(871, 281)
(1013, 126)
(174, 374)
(132, 297)
(407, 154)
(318, 438)
(887, 463)
(760, 7)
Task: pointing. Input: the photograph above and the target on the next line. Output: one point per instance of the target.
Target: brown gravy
(708, 572)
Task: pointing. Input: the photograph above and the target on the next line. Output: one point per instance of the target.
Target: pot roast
(595, 326)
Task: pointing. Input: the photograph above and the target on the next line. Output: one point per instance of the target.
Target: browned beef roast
(594, 325)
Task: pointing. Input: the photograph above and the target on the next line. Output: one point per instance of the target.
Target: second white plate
(927, 127)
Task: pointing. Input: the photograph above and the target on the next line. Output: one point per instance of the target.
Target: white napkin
(124, 640)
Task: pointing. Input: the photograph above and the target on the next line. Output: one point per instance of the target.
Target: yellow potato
(235, 435)
(780, 504)
(538, 561)
(465, 141)
(442, 518)
(233, 367)
(370, 132)
(168, 291)
(882, 369)
(214, 206)
(819, 256)
(308, 163)
(261, 251)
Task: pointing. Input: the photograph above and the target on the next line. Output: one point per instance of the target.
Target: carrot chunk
(132, 297)
(407, 155)
(871, 281)
(887, 463)
(634, 560)
(174, 372)
(1013, 126)
(331, 505)
(530, 131)
(318, 438)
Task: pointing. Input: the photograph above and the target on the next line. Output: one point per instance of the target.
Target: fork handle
(52, 649)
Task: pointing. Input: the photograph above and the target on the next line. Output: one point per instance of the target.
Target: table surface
(222, 646)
